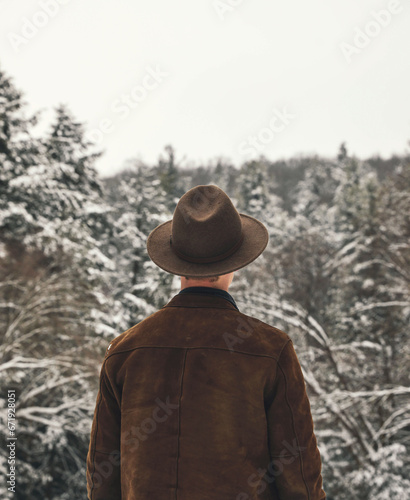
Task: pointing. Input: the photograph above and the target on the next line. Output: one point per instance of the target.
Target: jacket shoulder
(238, 332)
(122, 341)
(255, 335)
(266, 327)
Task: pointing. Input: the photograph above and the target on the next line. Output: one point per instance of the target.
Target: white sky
(224, 75)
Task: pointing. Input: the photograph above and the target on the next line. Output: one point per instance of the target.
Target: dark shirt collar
(207, 290)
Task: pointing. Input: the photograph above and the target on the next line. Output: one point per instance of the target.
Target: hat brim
(255, 239)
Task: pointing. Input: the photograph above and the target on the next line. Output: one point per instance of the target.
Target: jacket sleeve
(295, 461)
(103, 458)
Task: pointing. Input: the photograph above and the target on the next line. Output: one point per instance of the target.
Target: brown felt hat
(206, 236)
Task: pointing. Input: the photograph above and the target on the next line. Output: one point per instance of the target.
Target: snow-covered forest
(74, 273)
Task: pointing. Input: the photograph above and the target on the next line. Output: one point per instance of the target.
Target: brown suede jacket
(200, 401)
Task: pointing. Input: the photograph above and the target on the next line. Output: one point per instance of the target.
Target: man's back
(200, 401)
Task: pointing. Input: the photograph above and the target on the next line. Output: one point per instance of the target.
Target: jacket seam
(179, 422)
(96, 433)
(280, 455)
(276, 374)
(229, 307)
(293, 425)
(276, 358)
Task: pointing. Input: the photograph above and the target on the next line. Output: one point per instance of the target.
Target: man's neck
(222, 283)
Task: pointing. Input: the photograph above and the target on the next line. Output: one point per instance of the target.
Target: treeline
(74, 273)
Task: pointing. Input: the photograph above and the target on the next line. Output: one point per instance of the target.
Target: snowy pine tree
(139, 204)
(74, 273)
(53, 298)
(169, 177)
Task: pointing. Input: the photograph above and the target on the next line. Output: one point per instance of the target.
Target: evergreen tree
(54, 309)
(252, 188)
(224, 174)
(169, 177)
(18, 151)
(367, 314)
(139, 205)
(342, 155)
(74, 273)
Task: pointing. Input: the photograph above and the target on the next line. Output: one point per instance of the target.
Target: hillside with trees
(74, 273)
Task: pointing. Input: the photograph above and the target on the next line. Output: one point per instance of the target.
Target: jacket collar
(207, 290)
(202, 298)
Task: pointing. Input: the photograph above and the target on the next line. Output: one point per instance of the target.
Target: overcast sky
(226, 78)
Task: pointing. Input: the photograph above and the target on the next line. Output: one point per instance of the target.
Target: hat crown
(206, 227)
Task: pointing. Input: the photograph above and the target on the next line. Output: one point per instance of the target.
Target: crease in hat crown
(206, 227)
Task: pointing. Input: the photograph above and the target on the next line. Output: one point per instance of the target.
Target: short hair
(211, 279)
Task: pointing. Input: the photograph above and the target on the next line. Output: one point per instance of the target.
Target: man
(200, 401)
